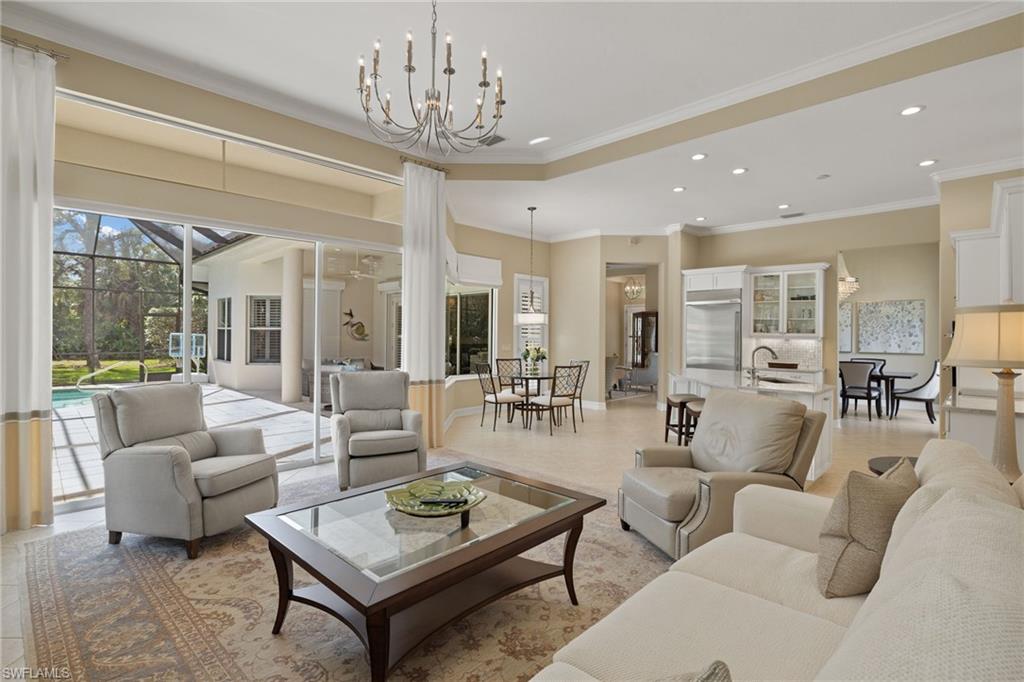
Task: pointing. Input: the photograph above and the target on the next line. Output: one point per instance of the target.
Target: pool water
(64, 397)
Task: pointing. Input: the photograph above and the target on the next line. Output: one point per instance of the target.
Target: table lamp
(993, 336)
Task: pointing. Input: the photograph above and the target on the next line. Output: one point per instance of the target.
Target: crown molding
(941, 28)
(1015, 163)
(825, 215)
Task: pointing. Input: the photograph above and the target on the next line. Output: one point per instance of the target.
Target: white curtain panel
(26, 263)
(424, 240)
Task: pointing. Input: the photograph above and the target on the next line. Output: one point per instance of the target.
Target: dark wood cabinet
(645, 337)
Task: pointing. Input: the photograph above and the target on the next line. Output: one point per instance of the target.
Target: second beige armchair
(375, 434)
(681, 497)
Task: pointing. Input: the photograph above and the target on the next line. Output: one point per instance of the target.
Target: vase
(532, 368)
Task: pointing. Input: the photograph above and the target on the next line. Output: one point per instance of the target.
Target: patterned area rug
(141, 610)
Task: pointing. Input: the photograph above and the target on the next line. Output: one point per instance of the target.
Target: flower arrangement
(533, 355)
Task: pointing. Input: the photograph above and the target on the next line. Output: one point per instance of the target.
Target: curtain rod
(37, 48)
(426, 164)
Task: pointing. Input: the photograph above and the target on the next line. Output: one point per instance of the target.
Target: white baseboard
(660, 406)
(594, 405)
(460, 412)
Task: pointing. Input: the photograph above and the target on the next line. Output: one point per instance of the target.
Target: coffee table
(394, 579)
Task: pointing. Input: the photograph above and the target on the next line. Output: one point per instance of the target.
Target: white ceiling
(974, 115)
(581, 73)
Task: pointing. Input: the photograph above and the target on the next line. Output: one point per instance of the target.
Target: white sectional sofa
(949, 603)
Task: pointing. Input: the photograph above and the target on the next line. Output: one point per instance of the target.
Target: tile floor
(595, 457)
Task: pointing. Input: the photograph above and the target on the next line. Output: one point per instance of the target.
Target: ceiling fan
(370, 261)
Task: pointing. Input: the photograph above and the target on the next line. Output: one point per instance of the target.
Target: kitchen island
(812, 393)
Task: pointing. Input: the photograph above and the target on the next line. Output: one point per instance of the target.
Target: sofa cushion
(783, 575)
(146, 413)
(667, 492)
(369, 443)
(951, 604)
(679, 622)
(942, 466)
(857, 528)
(369, 391)
(746, 432)
(374, 420)
(198, 444)
(217, 475)
(562, 672)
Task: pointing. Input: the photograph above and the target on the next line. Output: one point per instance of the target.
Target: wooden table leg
(283, 565)
(570, 554)
(378, 635)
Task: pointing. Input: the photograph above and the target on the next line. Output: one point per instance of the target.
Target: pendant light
(531, 315)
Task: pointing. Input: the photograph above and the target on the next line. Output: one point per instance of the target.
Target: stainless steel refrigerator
(713, 329)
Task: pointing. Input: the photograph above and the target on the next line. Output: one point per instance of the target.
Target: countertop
(787, 371)
(980, 403)
(719, 378)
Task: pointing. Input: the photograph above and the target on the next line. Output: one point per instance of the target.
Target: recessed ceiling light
(823, 176)
(926, 163)
(678, 189)
(910, 111)
(739, 171)
(538, 140)
(701, 219)
(783, 206)
(699, 156)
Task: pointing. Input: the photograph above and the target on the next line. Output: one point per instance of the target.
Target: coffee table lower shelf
(392, 636)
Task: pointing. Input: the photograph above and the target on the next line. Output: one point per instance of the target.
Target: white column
(291, 326)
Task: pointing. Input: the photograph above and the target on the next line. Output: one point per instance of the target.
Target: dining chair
(508, 369)
(562, 395)
(926, 393)
(585, 364)
(855, 378)
(494, 395)
(877, 376)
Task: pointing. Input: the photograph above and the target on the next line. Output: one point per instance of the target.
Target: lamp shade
(531, 318)
(988, 336)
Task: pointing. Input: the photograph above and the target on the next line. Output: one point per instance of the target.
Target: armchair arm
(413, 421)
(341, 431)
(238, 440)
(664, 456)
(788, 517)
(150, 489)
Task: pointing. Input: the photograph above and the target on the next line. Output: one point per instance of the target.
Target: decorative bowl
(408, 500)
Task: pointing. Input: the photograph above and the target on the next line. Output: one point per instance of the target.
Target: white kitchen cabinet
(787, 301)
(711, 279)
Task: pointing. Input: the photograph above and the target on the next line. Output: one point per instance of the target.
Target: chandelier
(848, 284)
(531, 315)
(633, 290)
(433, 126)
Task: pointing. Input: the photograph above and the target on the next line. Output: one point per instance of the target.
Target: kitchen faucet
(753, 356)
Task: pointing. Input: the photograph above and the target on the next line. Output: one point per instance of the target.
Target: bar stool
(677, 401)
(691, 415)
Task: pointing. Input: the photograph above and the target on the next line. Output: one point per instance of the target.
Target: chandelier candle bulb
(483, 69)
(448, 51)
(376, 58)
(408, 49)
(362, 72)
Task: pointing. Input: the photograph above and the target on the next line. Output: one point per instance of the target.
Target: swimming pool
(65, 397)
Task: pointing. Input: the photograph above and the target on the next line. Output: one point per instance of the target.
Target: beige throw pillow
(856, 531)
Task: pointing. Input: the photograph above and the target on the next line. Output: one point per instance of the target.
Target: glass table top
(382, 542)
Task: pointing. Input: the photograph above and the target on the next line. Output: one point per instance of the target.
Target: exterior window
(394, 349)
(264, 329)
(224, 329)
(468, 331)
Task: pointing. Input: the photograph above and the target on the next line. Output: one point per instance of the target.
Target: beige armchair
(167, 475)
(681, 497)
(375, 434)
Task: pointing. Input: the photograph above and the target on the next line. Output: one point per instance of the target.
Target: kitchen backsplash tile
(807, 352)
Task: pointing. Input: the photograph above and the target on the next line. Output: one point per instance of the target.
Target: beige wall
(892, 273)
(577, 322)
(614, 300)
(819, 242)
(964, 204)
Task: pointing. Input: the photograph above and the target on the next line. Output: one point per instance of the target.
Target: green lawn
(67, 372)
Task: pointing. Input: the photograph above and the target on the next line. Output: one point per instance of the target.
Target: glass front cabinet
(786, 303)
